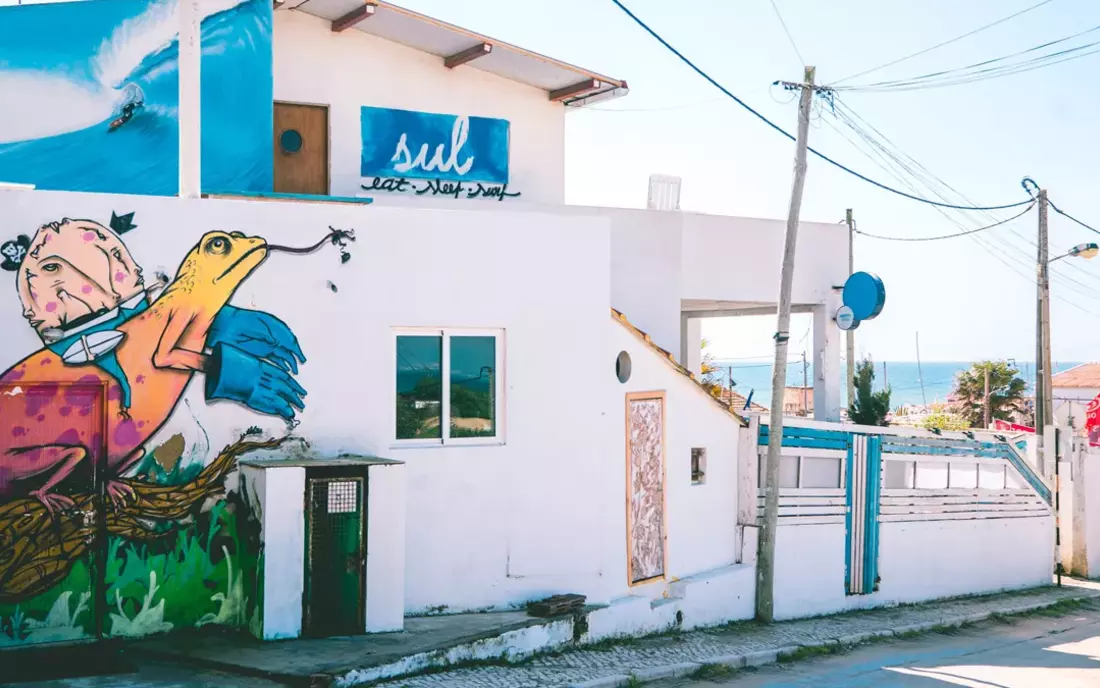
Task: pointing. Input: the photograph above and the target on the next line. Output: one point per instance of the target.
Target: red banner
(1092, 422)
(1005, 426)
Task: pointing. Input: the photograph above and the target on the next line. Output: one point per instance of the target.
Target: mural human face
(75, 269)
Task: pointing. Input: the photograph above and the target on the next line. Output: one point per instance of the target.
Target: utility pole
(729, 370)
(986, 402)
(885, 377)
(765, 567)
(1042, 332)
(850, 335)
(805, 384)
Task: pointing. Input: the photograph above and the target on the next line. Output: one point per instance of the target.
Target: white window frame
(445, 440)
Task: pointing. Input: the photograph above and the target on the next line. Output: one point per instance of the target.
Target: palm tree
(869, 407)
(1006, 392)
(712, 374)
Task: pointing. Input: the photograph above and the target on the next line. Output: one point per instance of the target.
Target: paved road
(1031, 652)
(154, 675)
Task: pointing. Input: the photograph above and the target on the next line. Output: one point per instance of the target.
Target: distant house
(1073, 389)
(739, 401)
(798, 401)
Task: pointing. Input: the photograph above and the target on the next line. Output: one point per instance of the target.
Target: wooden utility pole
(805, 384)
(1042, 332)
(765, 566)
(850, 335)
(986, 402)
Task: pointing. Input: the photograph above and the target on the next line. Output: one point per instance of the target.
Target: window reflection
(473, 386)
(419, 387)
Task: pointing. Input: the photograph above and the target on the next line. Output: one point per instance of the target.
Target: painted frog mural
(103, 327)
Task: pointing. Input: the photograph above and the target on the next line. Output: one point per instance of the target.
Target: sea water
(904, 378)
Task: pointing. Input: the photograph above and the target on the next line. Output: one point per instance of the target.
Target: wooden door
(645, 474)
(301, 149)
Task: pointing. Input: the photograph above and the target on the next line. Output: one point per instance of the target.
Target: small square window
(698, 465)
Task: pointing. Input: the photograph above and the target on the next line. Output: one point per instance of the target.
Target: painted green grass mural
(201, 569)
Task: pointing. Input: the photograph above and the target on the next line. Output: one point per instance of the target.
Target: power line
(1013, 263)
(787, 31)
(1072, 218)
(983, 63)
(929, 81)
(947, 236)
(782, 131)
(947, 42)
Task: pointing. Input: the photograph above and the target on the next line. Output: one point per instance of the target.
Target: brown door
(301, 149)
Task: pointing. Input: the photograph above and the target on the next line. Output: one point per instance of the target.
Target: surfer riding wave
(133, 99)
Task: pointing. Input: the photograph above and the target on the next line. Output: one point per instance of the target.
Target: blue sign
(425, 145)
(865, 294)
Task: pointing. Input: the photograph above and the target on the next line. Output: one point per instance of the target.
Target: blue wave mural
(91, 96)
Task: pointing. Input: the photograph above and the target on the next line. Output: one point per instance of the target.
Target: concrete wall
(1072, 402)
(753, 250)
(350, 69)
(488, 526)
(701, 519)
(386, 509)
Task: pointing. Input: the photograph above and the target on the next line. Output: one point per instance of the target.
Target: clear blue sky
(981, 138)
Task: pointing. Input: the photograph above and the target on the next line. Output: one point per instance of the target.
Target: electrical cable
(787, 31)
(946, 72)
(948, 236)
(1019, 267)
(1072, 218)
(782, 131)
(947, 42)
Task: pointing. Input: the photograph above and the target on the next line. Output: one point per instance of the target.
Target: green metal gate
(336, 556)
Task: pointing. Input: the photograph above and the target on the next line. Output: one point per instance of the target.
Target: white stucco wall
(919, 560)
(282, 531)
(386, 507)
(701, 519)
(350, 69)
(752, 248)
(487, 526)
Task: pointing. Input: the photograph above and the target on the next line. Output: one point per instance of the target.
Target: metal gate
(52, 558)
(336, 561)
(864, 490)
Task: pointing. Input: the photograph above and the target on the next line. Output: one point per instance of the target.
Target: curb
(772, 656)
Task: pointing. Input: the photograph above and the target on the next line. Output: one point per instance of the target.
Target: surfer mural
(97, 109)
(81, 412)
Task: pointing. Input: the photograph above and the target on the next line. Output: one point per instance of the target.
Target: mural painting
(646, 486)
(85, 503)
(92, 95)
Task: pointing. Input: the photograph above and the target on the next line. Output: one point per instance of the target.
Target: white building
(1073, 389)
(508, 370)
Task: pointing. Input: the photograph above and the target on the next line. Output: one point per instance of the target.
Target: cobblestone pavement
(663, 655)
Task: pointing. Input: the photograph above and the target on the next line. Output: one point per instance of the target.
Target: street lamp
(1044, 391)
(1086, 251)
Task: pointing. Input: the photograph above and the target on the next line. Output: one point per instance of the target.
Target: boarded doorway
(53, 561)
(301, 149)
(336, 565)
(645, 483)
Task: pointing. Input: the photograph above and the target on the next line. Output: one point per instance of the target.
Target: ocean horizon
(928, 383)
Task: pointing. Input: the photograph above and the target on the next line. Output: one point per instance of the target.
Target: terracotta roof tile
(671, 360)
(1084, 375)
